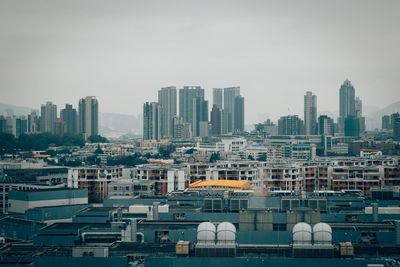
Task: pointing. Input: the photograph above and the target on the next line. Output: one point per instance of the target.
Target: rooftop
(221, 183)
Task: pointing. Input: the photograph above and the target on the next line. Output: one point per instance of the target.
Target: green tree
(166, 150)
(97, 139)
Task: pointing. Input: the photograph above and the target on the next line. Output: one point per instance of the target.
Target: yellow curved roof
(221, 183)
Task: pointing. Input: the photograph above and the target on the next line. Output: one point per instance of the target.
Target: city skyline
(271, 50)
(199, 133)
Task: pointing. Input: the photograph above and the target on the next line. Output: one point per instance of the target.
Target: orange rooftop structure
(220, 185)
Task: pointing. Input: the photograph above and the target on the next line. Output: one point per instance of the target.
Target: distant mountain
(369, 109)
(374, 120)
(110, 124)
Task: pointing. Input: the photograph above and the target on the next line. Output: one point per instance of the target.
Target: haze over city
(123, 52)
(199, 133)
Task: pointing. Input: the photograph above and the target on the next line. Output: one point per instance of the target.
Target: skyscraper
(151, 121)
(60, 127)
(186, 96)
(216, 120)
(182, 130)
(33, 122)
(352, 126)
(396, 129)
(167, 101)
(19, 125)
(393, 117)
(229, 105)
(48, 113)
(69, 116)
(386, 122)
(358, 107)
(238, 125)
(3, 124)
(346, 103)
(290, 125)
(310, 114)
(200, 114)
(358, 111)
(217, 97)
(89, 116)
(326, 125)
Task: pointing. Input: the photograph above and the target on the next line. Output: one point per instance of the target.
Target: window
(279, 227)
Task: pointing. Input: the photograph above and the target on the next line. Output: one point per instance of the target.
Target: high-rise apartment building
(3, 124)
(151, 121)
(358, 107)
(386, 122)
(69, 116)
(326, 126)
(19, 125)
(310, 114)
(217, 97)
(229, 105)
(216, 120)
(186, 96)
(238, 125)
(358, 111)
(89, 116)
(182, 130)
(60, 127)
(48, 117)
(290, 125)
(33, 122)
(167, 101)
(396, 129)
(200, 114)
(352, 126)
(393, 117)
(346, 103)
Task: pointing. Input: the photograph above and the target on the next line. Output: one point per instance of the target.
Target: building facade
(70, 117)
(167, 101)
(89, 116)
(310, 114)
(151, 121)
(48, 117)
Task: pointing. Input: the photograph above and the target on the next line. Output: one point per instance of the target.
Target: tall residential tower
(167, 101)
(310, 114)
(89, 116)
(48, 117)
(151, 121)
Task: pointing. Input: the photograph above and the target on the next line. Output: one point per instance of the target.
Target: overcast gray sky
(124, 51)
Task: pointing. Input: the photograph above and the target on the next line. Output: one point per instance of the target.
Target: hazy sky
(124, 51)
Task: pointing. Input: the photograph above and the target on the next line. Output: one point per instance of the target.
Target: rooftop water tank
(206, 233)
(302, 234)
(322, 234)
(226, 233)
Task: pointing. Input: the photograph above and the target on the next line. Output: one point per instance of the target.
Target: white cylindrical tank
(302, 234)
(322, 234)
(206, 233)
(226, 233)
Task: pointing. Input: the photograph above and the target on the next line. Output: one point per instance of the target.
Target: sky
(123, 52)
